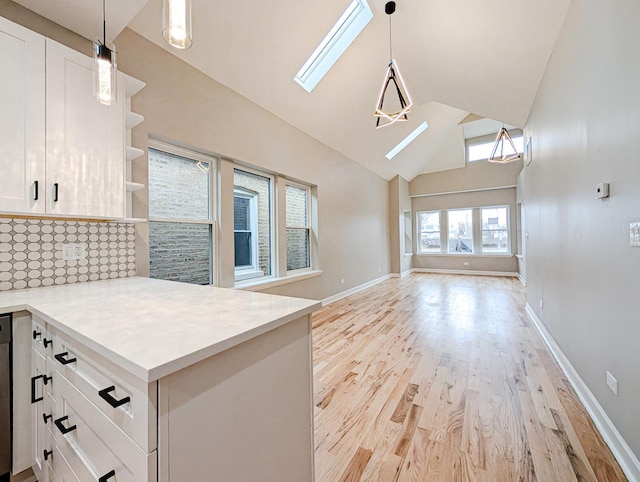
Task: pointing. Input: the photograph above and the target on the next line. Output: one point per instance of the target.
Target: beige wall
(183, 105)
(584, 128)
(399, 202)
(477, 185)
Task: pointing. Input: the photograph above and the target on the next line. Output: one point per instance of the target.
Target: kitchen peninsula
(141, 379)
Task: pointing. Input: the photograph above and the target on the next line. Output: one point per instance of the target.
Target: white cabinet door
(22, 118)
(85, 140)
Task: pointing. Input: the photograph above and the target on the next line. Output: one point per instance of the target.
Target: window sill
(427, 255)
(264, 284)
(408, 254)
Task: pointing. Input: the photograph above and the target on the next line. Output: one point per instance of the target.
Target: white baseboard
(401, 275)
(522, 280)
(619, 447)
(466, 271)
(344, 294)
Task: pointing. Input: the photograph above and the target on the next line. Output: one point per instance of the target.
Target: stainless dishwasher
(5, 397)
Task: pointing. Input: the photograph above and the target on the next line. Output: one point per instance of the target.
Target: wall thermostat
(602, 190)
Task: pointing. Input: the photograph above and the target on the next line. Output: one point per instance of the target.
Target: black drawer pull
(33, 389)
(106, 395)
(46, 379)
(46, 342)
(55, 192)
(47, 454)
(61, 357)
(47, 417)
(62, 428)
(35, 197)
(36, 334)
(107, 476)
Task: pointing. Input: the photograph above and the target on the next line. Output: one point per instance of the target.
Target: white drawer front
(96, 446)
(108, 391)
(60, 469)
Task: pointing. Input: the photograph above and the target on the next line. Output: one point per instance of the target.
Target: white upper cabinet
(85, 140)
(22, 119)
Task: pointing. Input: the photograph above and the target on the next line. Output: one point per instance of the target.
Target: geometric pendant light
(394, 90)
(504, 150)
(105, 71)
(176, 23)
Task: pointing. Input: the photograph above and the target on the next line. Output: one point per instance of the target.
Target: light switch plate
(634, 234)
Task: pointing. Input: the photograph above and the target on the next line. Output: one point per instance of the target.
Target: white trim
(344, 294)
(496, 188)
(458, 255)
(401, 275)
(467, 271)
(621, 451)
(522, 280)
(273, 282)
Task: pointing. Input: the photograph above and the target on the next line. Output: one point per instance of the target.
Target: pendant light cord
(390, 42)
(104, 23)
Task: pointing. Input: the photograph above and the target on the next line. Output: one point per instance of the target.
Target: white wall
(585, 127)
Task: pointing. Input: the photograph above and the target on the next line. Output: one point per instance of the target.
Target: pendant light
(504, 150)
(105, 71)
(176, 23)
(393, 78)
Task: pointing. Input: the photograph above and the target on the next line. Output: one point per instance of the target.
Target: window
(357, 15)
(495, 230)
(252, 224)
(479, 148)
(460, 231)
(429, 232)
(180, 215)
(298, 227)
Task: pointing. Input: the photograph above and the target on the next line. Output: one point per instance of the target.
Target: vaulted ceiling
(457, 57)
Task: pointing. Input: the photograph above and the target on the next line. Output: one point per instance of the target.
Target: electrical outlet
(466, 263)
(612, 383)
(541, 304)
(74, 251)
(342, 281)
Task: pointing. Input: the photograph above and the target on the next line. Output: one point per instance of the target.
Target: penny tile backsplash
(31, 252)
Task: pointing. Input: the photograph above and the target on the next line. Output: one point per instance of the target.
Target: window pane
(460, 231)
(243, 249)
(482, 151)
(429, 236)
(241, 213)
(297, 248)
(178, 188)
(180, 252)
(257, 188)
(297, 206)
(495, 230)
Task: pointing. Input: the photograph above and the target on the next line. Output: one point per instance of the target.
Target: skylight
(333, 45)
(407, 140)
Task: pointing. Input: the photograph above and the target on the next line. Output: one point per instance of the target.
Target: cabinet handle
(46, 342)
(46, 379)
(62, 428)
(107, 476)
(105, 394)
(46, 417)
(55, 192)
(33, 389)
(61, 357)
(35, 197)
(47, 454)
(36, 334)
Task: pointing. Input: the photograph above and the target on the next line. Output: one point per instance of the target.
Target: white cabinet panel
(22, 119)
(85, 140)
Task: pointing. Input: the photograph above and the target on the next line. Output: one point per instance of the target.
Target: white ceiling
(456, 57)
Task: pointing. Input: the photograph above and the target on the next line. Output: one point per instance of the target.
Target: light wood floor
(443, 378)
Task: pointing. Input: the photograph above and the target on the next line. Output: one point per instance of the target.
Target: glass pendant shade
(504, 150)
(105, 73)
(400, 106)
(176, 23)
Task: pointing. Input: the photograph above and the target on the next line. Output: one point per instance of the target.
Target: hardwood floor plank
(439, 378)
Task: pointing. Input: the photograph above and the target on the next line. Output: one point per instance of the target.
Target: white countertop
(153, 328)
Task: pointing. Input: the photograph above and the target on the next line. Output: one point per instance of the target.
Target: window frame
(199, 158)
(308, 227)
(473, 250)
(241, 275)
(249, 271)
(419, 232)
(507, 229)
